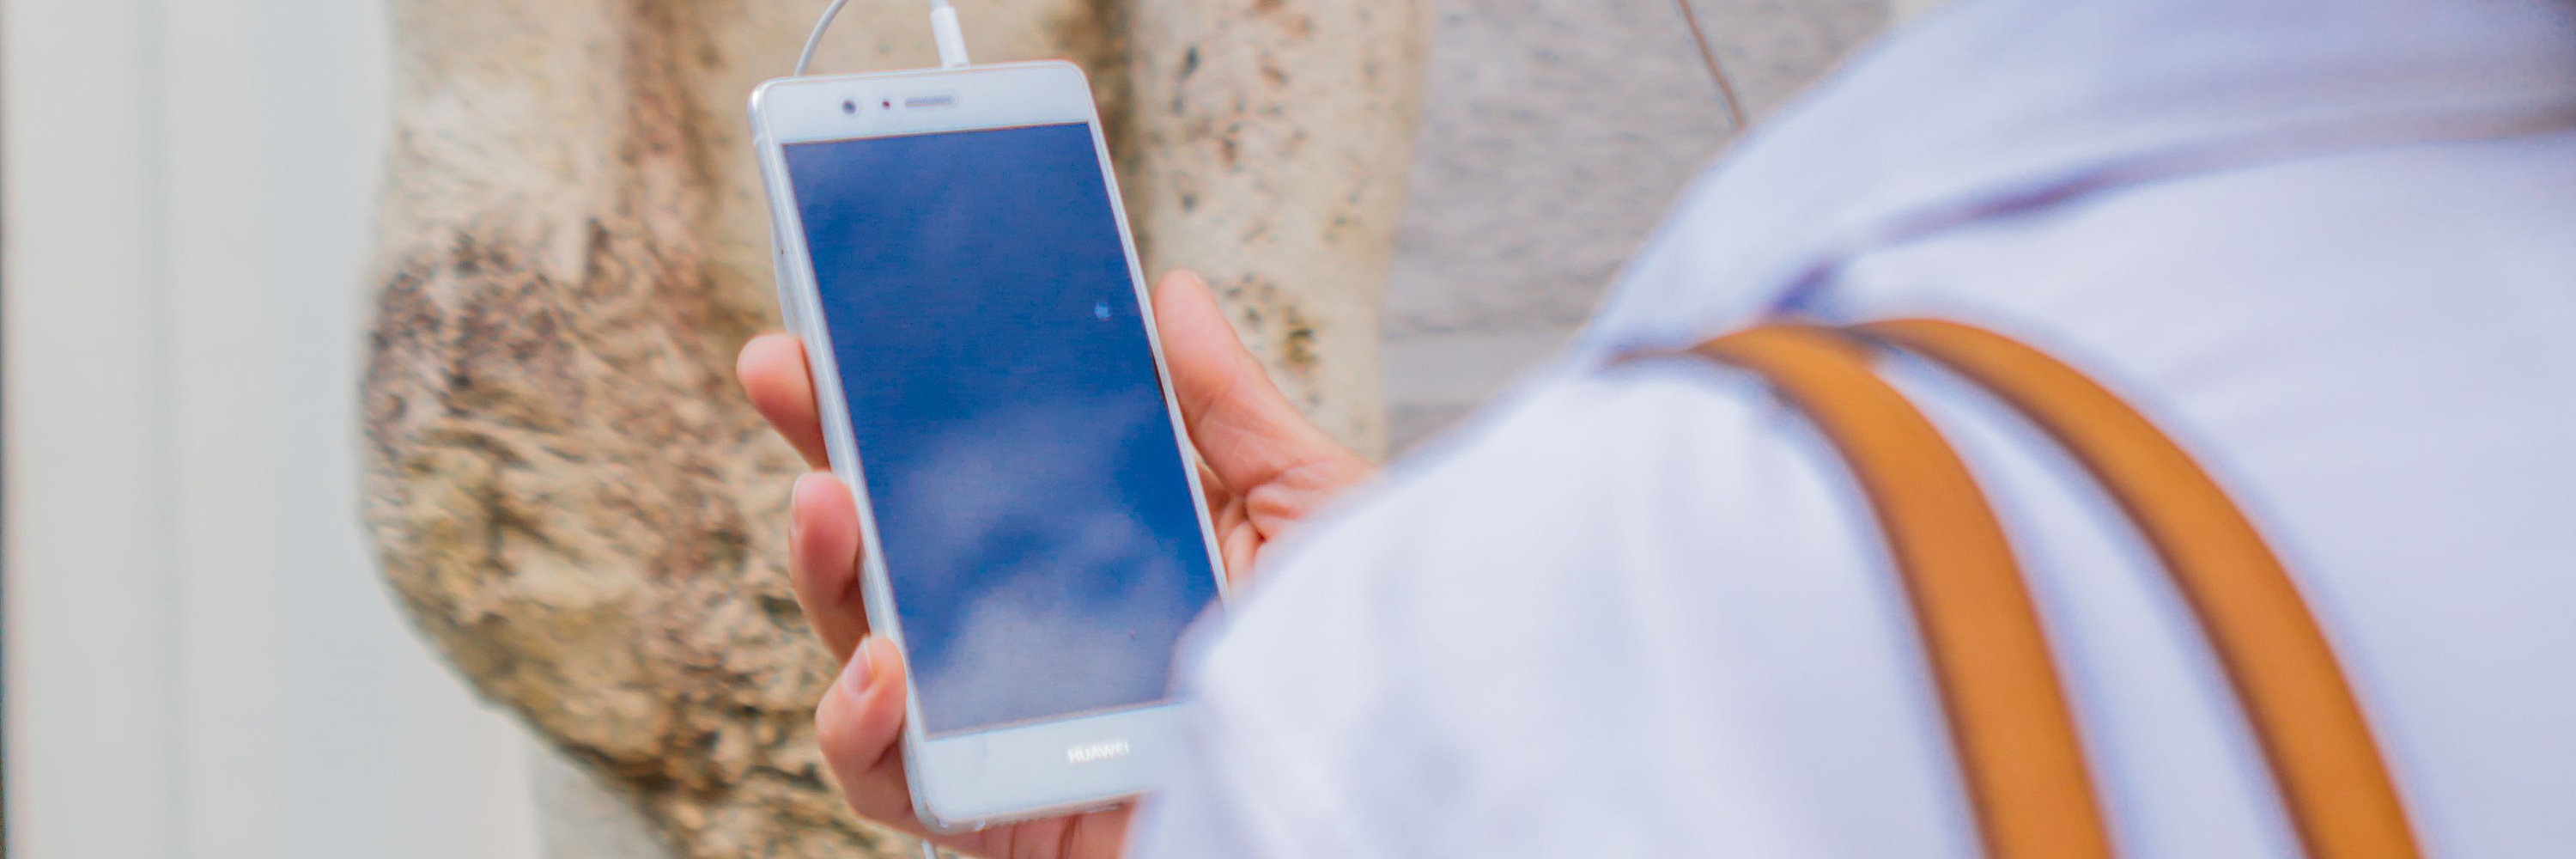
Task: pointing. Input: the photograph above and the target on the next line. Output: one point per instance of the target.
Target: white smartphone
(952, 249)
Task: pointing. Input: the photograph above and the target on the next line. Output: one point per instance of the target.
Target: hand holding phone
(988, 386)
(1268, 467)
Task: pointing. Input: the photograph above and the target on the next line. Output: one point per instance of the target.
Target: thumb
(1245, 429)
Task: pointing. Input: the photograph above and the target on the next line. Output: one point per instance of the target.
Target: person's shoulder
(1612, 559)
(1583, 504)
(1580, 465)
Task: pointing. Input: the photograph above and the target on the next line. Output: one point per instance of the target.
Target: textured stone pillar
(565, 489)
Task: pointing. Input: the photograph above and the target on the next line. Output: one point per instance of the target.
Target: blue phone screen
(1028, 488)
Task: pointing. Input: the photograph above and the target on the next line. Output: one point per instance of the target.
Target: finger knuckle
(836, 730)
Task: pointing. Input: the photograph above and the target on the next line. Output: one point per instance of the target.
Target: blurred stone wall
(1554, 134)
(564, 489)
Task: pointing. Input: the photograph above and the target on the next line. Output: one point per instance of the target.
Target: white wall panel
(200, 660)
(91, 637)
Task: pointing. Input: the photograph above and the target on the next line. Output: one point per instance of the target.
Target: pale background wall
(1555, 133)
(201, 663)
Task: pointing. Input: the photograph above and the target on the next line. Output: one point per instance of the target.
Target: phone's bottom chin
(973, 781)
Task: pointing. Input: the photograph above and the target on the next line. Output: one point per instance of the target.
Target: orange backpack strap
(2323, 761)
(2008, 719)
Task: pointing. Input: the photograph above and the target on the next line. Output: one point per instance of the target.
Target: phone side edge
(800, 303)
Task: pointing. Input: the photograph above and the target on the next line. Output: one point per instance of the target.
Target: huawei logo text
(1102, 750)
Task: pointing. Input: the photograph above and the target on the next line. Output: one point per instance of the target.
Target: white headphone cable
(943, 32)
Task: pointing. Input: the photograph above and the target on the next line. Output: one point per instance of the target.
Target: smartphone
(952, 249)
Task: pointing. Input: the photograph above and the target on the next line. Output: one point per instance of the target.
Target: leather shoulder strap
(2008, 719)
(2319, 748)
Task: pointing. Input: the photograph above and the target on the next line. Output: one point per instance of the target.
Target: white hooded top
(1641, 610)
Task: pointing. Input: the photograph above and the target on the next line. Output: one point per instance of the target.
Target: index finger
(774, 376)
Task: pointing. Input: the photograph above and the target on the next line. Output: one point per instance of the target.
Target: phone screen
(1029, 491)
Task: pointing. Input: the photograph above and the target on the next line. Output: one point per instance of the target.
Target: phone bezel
(1032, 769)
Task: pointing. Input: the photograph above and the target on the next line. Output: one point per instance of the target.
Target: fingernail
(855, 676)
(795, 491)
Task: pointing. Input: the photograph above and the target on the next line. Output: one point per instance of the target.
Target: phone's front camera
(885, 104)
(848, 106)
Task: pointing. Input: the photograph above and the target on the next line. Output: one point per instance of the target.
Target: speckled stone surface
(1554, 134)
(565, 489)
